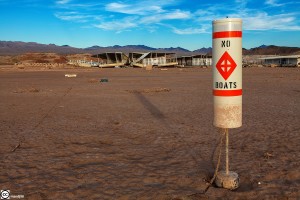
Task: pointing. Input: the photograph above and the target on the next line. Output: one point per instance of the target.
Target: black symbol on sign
(225, 43)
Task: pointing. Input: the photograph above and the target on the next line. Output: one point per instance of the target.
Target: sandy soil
(144, 134)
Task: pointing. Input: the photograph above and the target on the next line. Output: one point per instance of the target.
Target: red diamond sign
(226, 65)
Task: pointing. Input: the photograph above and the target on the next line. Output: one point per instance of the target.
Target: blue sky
(165, 23)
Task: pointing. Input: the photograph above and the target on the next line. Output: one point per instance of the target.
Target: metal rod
(227, 151)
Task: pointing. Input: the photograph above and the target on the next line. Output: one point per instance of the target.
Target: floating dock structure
(111, 59)
(139, 59)
(195, 60)
(282, 61)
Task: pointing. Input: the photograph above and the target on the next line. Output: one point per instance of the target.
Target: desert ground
(144, 134)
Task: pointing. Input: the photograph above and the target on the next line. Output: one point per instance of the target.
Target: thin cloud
(273, 3)
(126, 15)
(128, 23)
(76, 17)
(177, 14)
(118, 25)
(72, 5)
(63, 1)
(172, 15)
(263, 21)
(27, 3)
(132, 9)
(252, 19)
(189, 31)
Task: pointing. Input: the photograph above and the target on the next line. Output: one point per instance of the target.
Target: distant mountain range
(272, 50)
(16, 48)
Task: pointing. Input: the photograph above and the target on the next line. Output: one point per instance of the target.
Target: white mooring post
(227, 86)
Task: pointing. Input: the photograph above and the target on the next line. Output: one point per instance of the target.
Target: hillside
(271, 50)
(17, 48)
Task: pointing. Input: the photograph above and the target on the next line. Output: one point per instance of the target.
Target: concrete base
(229, 181)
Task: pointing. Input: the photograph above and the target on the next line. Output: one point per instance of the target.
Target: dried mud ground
(144, 134)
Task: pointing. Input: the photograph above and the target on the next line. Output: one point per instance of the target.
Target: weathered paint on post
(227, 72)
